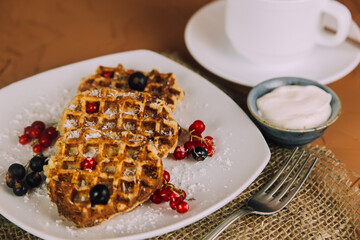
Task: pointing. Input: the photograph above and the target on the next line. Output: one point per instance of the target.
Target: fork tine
(297, 188)
(279, 184)
(289, 184)
(276, 176)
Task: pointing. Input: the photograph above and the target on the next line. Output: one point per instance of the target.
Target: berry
(182, 207)
(173, 204)
(199, 153)
(99, 194)
(35, 132)
(33, 179)
(209, 140)
(137, 81)
(52, 132)
(20, 188)
(92, 107)
(88, 164)
(36, 163)
(45, 140)
(196, 138)
(165, 193)
(189, 147)
(182, 194)
(179, 153)
(38, 125)
(174, 196)
(37, 148)
(17, 171)
(108, 74)
(24, 139)
(156, 198)
(166, 176)
(210, 150)
(203, 145)
(27, 130)
(197, 127)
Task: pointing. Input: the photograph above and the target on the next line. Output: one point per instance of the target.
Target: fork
(269, 201)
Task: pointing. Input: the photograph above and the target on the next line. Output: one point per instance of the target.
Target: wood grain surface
(39, 35)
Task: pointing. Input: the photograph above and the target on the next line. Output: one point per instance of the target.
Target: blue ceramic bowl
(285, 136)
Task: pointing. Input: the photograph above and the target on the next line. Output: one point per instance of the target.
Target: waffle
(128, 165)
(138, 112)
(161, 85)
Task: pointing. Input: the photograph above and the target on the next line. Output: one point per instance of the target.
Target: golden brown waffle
(161, 85)
(139, 112)
(129, 165)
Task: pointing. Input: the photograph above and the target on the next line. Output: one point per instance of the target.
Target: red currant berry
(92, 107)
(165, 193)
(24, 139)
(156, 198)
(88, 164)
(39, 125)
(201, 145)
(197, 127)
(166, 176)
(210, 150)
(174, 196)
(35, 132)
(209, 140)
(27, 130)
(182, 207)
(45, 140)
(52, 132)
(37, 148)
(196, 138)
(189, 146)
(179, 153)
(173, 204)
(182, 194)
(108, 74)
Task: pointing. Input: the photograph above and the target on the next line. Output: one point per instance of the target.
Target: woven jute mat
(326, 207)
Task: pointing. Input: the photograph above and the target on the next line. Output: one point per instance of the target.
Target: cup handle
(343, 18)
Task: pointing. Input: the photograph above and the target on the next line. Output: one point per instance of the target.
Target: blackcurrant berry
(33, 179)
(199, 153)
(99, 194)
(17, 171)
(137, 81)
(20, 188)
(37, 163)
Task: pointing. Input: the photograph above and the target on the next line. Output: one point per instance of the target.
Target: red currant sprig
(169, 193)
(38, 136)
(199, 147)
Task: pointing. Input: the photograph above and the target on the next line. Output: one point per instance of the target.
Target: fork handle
(229, 220)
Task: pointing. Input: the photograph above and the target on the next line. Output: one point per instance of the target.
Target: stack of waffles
(128, 136)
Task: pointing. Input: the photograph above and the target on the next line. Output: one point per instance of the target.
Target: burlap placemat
(325, 208)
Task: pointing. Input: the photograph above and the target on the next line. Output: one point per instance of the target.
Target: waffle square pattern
(160, 85)
(126, 134)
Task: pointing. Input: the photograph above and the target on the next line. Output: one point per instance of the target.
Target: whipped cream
(295, 107)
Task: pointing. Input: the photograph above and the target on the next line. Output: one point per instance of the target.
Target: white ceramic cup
(283, 31)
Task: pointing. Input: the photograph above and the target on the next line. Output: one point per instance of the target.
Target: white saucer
(206, 41)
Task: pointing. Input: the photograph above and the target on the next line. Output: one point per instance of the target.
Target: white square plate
(241, 155)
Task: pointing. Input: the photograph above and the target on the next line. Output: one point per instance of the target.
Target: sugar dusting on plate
(184, 173)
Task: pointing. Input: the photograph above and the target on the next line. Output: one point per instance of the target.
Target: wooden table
(39, 35)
